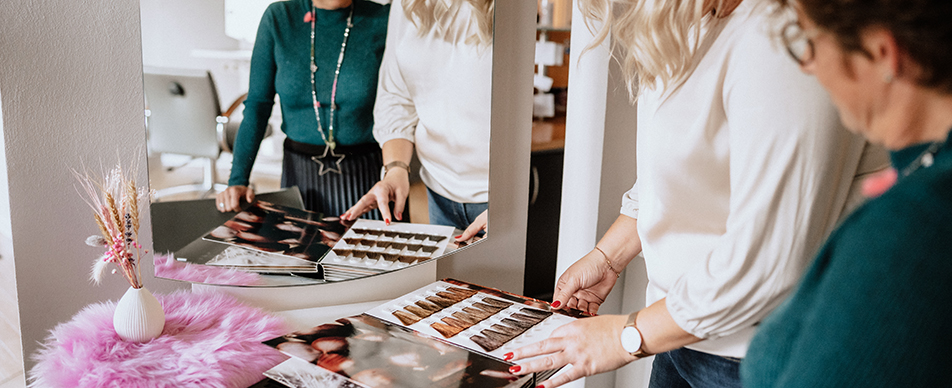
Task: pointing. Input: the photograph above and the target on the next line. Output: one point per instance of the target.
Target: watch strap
(394, 164)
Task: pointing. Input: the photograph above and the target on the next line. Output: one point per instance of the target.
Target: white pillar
(584, 138)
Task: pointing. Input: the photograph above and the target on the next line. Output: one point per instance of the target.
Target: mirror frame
(510, 137)
(74, 95)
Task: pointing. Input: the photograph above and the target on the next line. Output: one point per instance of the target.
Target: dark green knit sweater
(280, 64)
(875, 308)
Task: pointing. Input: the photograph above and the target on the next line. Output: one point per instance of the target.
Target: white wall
(70, 74)
(172, 29)
(5, 228)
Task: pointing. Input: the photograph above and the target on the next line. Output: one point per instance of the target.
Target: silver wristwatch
(631, 339)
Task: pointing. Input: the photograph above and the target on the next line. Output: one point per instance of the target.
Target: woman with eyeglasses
(874, 309)
(743, 170)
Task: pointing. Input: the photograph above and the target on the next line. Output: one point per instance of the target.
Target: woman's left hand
(591, 345)
(480, 223)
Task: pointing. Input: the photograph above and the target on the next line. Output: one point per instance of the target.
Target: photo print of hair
(275, 229)
(376, 353)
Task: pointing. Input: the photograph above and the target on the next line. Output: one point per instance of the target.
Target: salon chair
(184, 117)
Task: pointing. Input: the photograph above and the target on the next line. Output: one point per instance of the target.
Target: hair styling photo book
(283, 236)
(447, 334)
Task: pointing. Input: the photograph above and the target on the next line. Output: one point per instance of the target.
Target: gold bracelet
(609, 262)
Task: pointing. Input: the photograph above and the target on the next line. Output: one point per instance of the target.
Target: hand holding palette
(446, 334)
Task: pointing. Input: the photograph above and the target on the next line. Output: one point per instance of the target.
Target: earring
(888, 78)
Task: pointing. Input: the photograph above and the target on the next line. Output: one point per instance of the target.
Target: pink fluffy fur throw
(167, 267)
(209, 340)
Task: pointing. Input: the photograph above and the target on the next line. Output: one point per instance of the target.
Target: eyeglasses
(799, 42)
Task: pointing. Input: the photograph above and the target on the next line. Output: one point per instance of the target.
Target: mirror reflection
(271, 125)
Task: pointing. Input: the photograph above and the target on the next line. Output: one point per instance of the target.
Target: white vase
(139, 316)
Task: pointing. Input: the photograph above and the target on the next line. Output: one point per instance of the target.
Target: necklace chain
(925, 159)
(329, 137)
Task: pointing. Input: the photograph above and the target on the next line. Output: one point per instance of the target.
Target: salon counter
(548, 134)
(371, 288)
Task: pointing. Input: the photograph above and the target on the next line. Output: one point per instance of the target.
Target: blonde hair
(658, 39)
(442, 15)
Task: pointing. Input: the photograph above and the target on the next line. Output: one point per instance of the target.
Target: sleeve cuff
(630, 209)
(629, 203)
(384, 137)
(685, 322)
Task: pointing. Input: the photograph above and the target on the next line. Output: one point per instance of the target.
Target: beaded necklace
(329, 137)
(925, 159)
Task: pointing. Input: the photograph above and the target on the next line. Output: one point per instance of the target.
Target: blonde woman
(433, 99)
(743, 170)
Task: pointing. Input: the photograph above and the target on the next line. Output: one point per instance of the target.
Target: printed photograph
(281, 230)
(374, 353)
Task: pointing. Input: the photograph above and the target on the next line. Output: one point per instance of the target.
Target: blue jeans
(686, 368)
(444, 211)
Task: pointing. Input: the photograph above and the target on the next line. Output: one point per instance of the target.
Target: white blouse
(743, 171)
(436, 94)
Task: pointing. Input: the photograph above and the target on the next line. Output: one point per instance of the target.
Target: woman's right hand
(395, 187)
(586, 284)
(230, 199)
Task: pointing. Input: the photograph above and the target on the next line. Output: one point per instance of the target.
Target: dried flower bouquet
(116, 202)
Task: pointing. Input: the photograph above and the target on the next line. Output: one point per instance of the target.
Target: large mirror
(236, 99)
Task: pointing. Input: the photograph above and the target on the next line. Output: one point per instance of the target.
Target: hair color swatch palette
(375, 245)
(499, 334)
(481, 319)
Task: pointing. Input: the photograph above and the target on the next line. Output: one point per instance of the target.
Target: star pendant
(326, 160)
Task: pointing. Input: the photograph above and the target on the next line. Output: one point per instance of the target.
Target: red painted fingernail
(386, 221)
(514, 369)
(508, 356)
(457, 237)
(556, 304)
(540, 386)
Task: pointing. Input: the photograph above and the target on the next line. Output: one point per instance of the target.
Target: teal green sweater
(280, 64)
(875, 308)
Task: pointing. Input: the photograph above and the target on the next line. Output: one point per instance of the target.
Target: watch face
(630, 339)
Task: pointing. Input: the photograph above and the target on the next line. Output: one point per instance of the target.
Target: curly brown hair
(922, 28)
